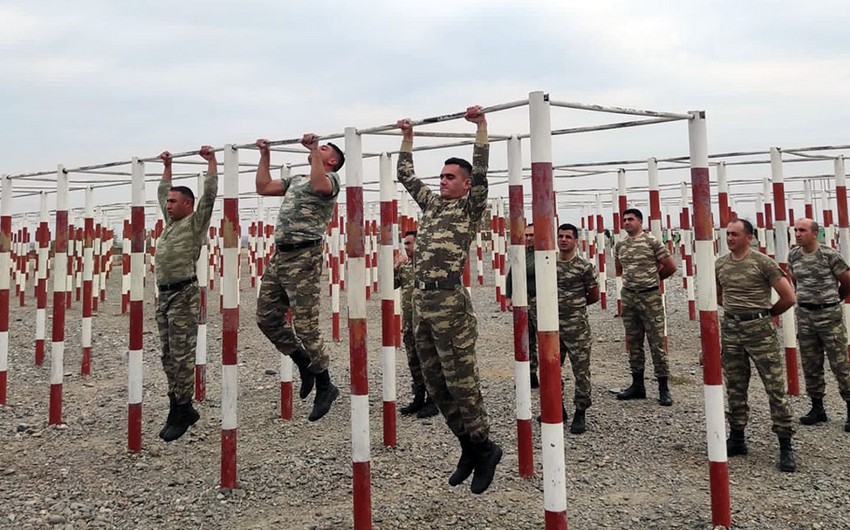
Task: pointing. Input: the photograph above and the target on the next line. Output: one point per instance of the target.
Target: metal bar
(621, 110)
(444, 117)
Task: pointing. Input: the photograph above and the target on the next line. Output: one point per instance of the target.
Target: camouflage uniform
(293, 277)
(531, 289)
(820, 330)
(404, 280)
(576, 277)
(444, 323)
(177, 253)
(746, 285)
(643, 309)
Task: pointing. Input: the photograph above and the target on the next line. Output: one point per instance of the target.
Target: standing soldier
(422, 405)
(577, 289)
(531, 288)
(822, 279)
(293, 277)
(444, 323)
(643, 261)
(744, 280)
(177, 254)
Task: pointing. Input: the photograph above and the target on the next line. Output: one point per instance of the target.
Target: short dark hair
(340, 156)
(410, 233)
(568, 226)
(183, 190)
(815, 226)
(466, 166)
(748, 226)
(634, 211)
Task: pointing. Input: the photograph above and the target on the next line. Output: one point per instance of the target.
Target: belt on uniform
(176, 286)
(746, 317)
(289, 247)
(815, 307)
(437, 285)
(641, 291)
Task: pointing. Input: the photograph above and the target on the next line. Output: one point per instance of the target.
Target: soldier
(422, 405)
(822, 279)
(293, 277)
(177, 254)
(744, 280)
(577, 289)
(531, 288)
(643, 261)
(444, 323)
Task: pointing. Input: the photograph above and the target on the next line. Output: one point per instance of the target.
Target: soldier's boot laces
(816, 415)
(578, 425)
(847, 425)
(429, 409)
(736, 444)
(786, 456)
(172, 402)
(487, 457)
(637, 390)
(466, 464)
(185, 416)
(664, 397)
(326, 393)
(302, 360)
(415, 405)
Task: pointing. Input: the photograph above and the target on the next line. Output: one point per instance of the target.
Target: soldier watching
(177, 254)
(531, 289)
(744, 280)
(822, 279)
(293, 277)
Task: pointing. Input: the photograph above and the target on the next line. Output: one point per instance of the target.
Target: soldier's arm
(787, 298)
(844, 284)
(592, 295)
(263, 182)
(480, 163)
(203, 213)
(719, 290)
(404, 167)
(320, 182)
(165, 182)
(666, 267)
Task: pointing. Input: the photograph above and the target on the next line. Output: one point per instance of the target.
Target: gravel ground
(638, 466)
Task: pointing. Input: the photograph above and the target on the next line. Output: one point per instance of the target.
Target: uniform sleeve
(203, 213)
(658, 249)
(616, 250)
(397, 277)
(479, 189)
(771, 270)
(792, 257)
(405, 174)
(287, 181)
(590, 277)
(162, 195)
(334, 178)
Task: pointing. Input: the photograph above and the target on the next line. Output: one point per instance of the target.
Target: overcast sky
(88, 82)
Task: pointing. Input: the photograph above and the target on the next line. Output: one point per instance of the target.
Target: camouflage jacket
(576, 277)
(816, 274)
(304, 214)
(746, 282)
(403, 276)
(639, 257)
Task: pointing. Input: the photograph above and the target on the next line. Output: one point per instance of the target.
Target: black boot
(578, 426)
(636, 391)
(415, 405)
(429, 409)
(170, 419)
(847, 425)
(535, 383)
(564, 417)
(302, 360)
(326, 393)
(185, 416)
(664, 397)
(816, 415)
(466, 464)
(786, 456)
(487, 456)
(736, 444)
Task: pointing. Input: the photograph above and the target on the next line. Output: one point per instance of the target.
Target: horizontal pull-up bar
(621, 110)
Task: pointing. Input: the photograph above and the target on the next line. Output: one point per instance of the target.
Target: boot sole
(806, 420)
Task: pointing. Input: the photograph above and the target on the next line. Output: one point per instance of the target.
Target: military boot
(415, 405)
(847, 425)
(578, 425)
(326, 393)
(564, 418)
(302, 360)
(185, 416)
(636, 391)
(816, 415)
(172, 402)
(429, 409)
(786, 456)
(736, 444)
(487, 456)
(466, 464)
(664, 397)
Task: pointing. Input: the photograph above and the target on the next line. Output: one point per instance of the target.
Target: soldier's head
(567, 237)
(179, 203)
(633, 221)
(455, 178)
(739, 233)
(806, 233)
(409, 242)
(529, 236)
(332, 157)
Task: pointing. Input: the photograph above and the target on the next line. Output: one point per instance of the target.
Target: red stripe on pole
(521, 333)
(555, 520)
(719, 479)
(551, 407)
(362, 494)
(357, 348)
(228, 458)
(229, 330)
(134, 427)
(525, 448)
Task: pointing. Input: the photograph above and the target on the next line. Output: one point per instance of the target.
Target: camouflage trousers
(575, 340)
(445, 330)
(533, 360)
(293, 280)
(756, 340)
(416, 377)
(643, 316)
(177, 320)
(822, 332)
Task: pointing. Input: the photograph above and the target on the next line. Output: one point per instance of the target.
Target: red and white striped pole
(57, 354)
(808, 207)
(499, 245)
(715, 424)
(770, 243)
(97, 261)
(762, 235)
(723, 205)
(78, 259)
(201, 271)
(479, 257)
(335, 273)
(655, 228)
(789, 324)
(286, 380)
(687, 256)
(828, 225)
(43, 236)
(503, 273)
(522, 374)
(136, 347)
(343, 235)
(360, 442)
(126, 237)
(386, 288)
(600, 254)
(229, 317)
(398, 231)
(5, 283)
(617, 207)
(367, 249)
(843, 227)
(545, 255)
(88, 273)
